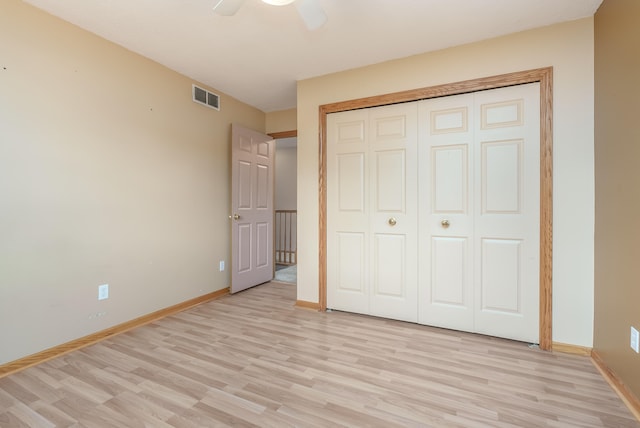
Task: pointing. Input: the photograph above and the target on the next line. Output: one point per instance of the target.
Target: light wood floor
(253, 359)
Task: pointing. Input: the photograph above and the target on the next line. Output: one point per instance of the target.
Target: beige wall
(286, 171)
(617, 151)
(109, 173)
(568, 48)
(281, 121)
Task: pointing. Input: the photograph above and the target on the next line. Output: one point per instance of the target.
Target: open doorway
(286, 214)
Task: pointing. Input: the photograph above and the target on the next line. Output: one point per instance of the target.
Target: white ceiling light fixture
(310, 11)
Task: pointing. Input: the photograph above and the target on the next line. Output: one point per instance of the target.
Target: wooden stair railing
(286, 223)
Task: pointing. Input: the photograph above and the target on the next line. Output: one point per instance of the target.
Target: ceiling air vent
(204, 97)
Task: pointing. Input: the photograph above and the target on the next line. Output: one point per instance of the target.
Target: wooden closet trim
(284, 134)
(542, 75)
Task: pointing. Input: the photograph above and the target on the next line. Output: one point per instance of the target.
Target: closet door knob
(392, 221)
(445, 223)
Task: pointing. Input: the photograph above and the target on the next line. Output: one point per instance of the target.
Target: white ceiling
(258, 55)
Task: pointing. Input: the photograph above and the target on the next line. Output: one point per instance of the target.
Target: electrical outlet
(635, 340)
(221, 265)
(103, 291)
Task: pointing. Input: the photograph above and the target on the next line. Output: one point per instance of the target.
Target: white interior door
(507, 212)
(348, 197)
(372, 201)
(393, 178)
(252, 181)
(446, 207)
(479, 239)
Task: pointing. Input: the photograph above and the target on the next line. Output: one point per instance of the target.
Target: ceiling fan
(310, 10)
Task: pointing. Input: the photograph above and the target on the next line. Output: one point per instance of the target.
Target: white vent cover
(204, 97)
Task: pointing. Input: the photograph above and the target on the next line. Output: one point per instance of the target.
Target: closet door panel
(507, 213)
(348, 212)
(393, 221)
(449, 264)
(446, 218)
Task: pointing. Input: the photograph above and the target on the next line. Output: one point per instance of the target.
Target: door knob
(445, 223)
(392, 221)
(235, 217)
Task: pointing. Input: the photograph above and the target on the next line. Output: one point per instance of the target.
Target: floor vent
(204, 97)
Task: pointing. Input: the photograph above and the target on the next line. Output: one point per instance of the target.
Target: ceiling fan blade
(227, 7)
(312, 13)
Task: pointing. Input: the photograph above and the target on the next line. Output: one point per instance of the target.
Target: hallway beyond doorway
(288, 274)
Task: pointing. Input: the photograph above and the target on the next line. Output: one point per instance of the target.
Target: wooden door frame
(293, 133)
(542, 75)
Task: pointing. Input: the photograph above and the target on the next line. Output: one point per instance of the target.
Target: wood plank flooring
(254, 360)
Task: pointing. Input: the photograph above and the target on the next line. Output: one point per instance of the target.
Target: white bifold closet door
(433, 212)
(372, 237)
(480, 212)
